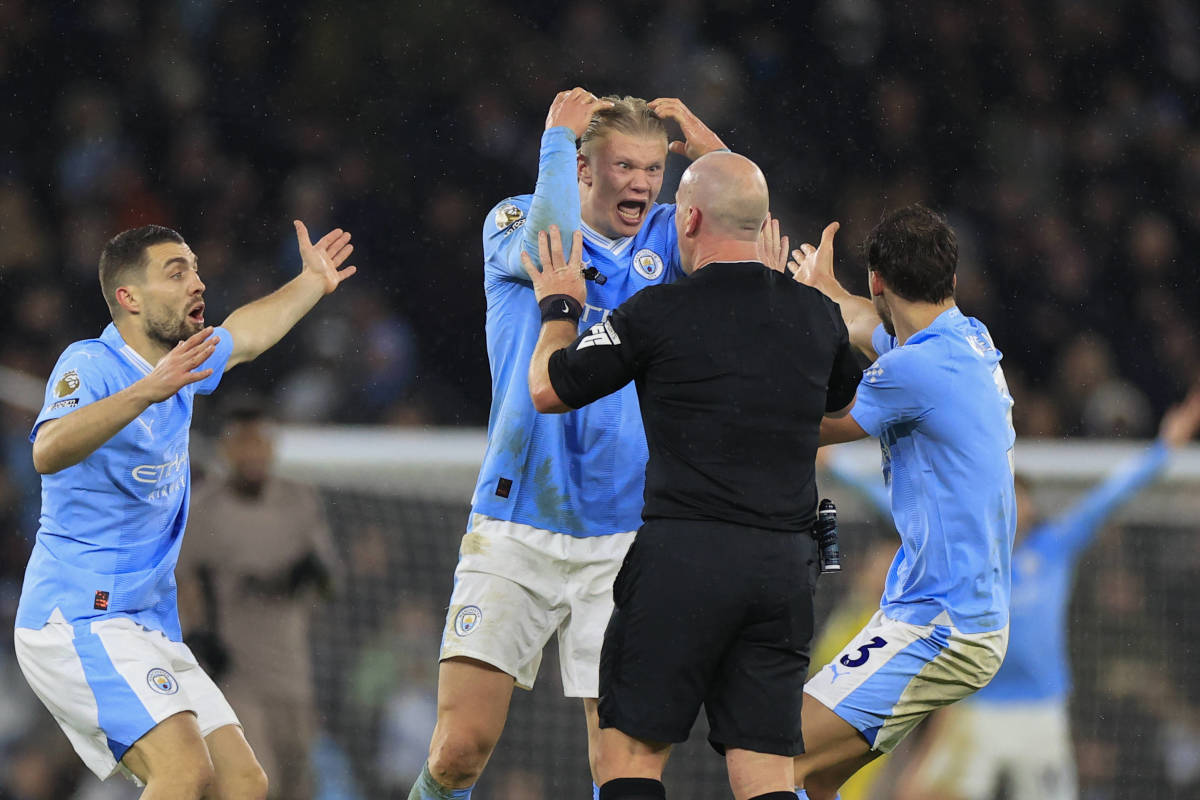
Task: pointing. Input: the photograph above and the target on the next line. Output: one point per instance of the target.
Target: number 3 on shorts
(864, 652)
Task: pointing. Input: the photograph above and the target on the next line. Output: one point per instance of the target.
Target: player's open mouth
(197, 313)
(631, 211)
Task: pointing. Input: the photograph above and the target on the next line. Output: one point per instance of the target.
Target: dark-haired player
(937, 399)
(97, 629)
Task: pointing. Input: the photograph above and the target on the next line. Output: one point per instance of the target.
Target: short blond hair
(629, 115)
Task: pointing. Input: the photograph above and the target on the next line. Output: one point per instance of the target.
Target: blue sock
(595, 792)
(803, 795)
(426, 788)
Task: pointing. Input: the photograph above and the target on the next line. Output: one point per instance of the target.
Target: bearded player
(97, 629)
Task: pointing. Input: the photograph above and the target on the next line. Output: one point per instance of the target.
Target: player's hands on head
(1180, 423)
(178, 367)
(699, 140)
(813, 266)
(772, 248)
(559, 274)
(573, 109)
(324, 259)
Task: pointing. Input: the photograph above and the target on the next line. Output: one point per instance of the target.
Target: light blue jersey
(941, 409)
(579, 473)
(1036, 666)
(111, 525)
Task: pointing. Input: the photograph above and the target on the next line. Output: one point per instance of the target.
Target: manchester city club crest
(162, 681)
(648, 263)
(67, 384)
(467, 620)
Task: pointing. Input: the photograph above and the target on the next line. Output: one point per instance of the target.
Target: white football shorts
(109, 682)
(516, 585)
(893, 674)
(979, 744)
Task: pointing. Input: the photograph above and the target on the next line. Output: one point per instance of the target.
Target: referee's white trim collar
(614, 246)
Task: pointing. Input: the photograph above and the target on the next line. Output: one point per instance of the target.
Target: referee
(735, 367)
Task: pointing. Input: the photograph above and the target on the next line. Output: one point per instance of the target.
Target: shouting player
(558, 497)
(97, 630)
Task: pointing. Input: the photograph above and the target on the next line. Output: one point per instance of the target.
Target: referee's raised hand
(558, 275)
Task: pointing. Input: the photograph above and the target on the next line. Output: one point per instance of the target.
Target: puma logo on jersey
(599, 334)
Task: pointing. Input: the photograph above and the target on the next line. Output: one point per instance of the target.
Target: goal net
(398, 504)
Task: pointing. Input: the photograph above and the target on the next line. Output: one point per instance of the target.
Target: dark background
(1062, 139)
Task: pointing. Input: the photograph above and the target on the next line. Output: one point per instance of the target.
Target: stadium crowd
(1061, 138)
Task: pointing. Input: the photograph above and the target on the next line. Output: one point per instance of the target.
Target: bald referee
(735, 367)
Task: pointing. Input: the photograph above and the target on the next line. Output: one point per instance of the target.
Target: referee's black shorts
(711, 613)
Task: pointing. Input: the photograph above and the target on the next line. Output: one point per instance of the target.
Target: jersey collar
(112, 338)
(614, 246)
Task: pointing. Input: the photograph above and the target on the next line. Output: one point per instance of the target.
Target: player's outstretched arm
(560, 279)
(698, 138)
(1079, 524)
(813, 266)
(64, 442)
(259, 325)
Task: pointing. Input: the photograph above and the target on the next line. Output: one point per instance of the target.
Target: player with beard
(558, 497)
(97, 629)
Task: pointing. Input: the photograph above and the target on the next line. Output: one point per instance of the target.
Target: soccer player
(714, 600)
(937, 399)
(1016, 729)
(558, 497)
(97, 631)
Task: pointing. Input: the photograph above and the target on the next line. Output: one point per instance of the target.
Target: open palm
(325, 258)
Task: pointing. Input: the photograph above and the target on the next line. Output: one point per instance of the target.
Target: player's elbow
(545, 399)
(44, 460)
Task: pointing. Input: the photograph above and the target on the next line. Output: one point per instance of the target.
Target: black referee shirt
(735, 367)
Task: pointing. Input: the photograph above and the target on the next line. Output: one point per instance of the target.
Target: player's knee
(251, 783)
(457, 758)
(191, 779)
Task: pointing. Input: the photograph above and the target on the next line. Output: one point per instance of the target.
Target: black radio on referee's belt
(825, 531)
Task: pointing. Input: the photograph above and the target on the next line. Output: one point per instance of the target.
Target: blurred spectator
(247, 610)
(1063, 136)
(394, 684)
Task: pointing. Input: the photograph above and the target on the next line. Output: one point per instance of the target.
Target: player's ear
(585, 169)
(874, 283)
(691, 222)
(130, 299)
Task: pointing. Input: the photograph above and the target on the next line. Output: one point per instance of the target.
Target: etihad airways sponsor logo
(160, 473)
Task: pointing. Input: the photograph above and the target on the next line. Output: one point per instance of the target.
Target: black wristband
(560, 306)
